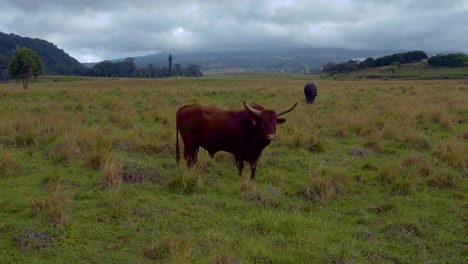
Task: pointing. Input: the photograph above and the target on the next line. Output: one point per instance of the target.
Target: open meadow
(375, 171)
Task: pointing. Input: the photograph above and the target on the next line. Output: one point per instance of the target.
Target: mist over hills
(267, 60)
(285, 59)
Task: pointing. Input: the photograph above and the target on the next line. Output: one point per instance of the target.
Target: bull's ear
(280, 120)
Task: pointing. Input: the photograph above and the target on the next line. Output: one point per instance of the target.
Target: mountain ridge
(269, 60)
(56, 60)
(281, 59)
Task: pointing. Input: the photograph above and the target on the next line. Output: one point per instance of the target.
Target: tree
(368, 63)
(25, 65)
(193, 71)
(394, 66)
(448, 60)
(329, 67)
(3, 67)
(170, 65)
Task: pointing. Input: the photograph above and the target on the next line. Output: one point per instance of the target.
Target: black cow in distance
(310, 92)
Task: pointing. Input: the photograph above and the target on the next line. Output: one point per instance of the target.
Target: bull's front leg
(253, 168)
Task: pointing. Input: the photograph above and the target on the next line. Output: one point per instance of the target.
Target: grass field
(374, 172)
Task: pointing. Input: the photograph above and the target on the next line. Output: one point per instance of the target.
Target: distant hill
(296, 59)
(268, 60)
(56, 60)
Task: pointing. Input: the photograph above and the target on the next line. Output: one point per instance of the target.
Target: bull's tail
(177, 145)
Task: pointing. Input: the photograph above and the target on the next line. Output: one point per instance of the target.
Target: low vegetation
(374, 172)
(408, 65)
(411, 71)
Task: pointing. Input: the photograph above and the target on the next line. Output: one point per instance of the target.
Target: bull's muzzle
(271, 137)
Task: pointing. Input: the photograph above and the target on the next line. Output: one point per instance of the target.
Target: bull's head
(267, 119)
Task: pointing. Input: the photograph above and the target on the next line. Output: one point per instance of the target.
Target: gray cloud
(97, 30)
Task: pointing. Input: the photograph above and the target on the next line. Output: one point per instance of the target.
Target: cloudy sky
(94, 30)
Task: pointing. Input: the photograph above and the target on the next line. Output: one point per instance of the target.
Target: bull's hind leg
(239, 165)
(190, 155)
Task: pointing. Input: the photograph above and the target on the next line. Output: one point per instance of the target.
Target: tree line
(448, 60)
(128, 68)
(17, 67)
(352, 65)
(26, 65)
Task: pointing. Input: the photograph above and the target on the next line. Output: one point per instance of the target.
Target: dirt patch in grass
(133, 172)
(358, 152)
(33, 240)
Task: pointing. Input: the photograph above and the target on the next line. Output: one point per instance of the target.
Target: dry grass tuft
(315, 145)
(373, 142)
(400, 181)
(464, 135)
(189, 182)
(112, 170)
(430, 117)
(171, 249)
(326, 183)
(417, 140)
(54, 208)
(116, 202)
(8, 164)
(96, 158)
(387, 206)
(157, 252)
(455, 153)
(25, 139)
(445, 180)
(420, 163)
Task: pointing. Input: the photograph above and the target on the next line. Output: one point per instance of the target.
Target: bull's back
(188, 117)
(211, 128)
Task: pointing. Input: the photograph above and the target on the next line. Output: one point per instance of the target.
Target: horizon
(291, 48)
(105, 30)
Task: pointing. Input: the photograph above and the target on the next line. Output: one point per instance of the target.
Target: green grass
(374, 172)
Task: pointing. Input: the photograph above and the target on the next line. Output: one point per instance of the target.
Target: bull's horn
(278, 113)
(252, 110)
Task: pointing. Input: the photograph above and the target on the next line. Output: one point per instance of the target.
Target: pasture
(374, 172)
